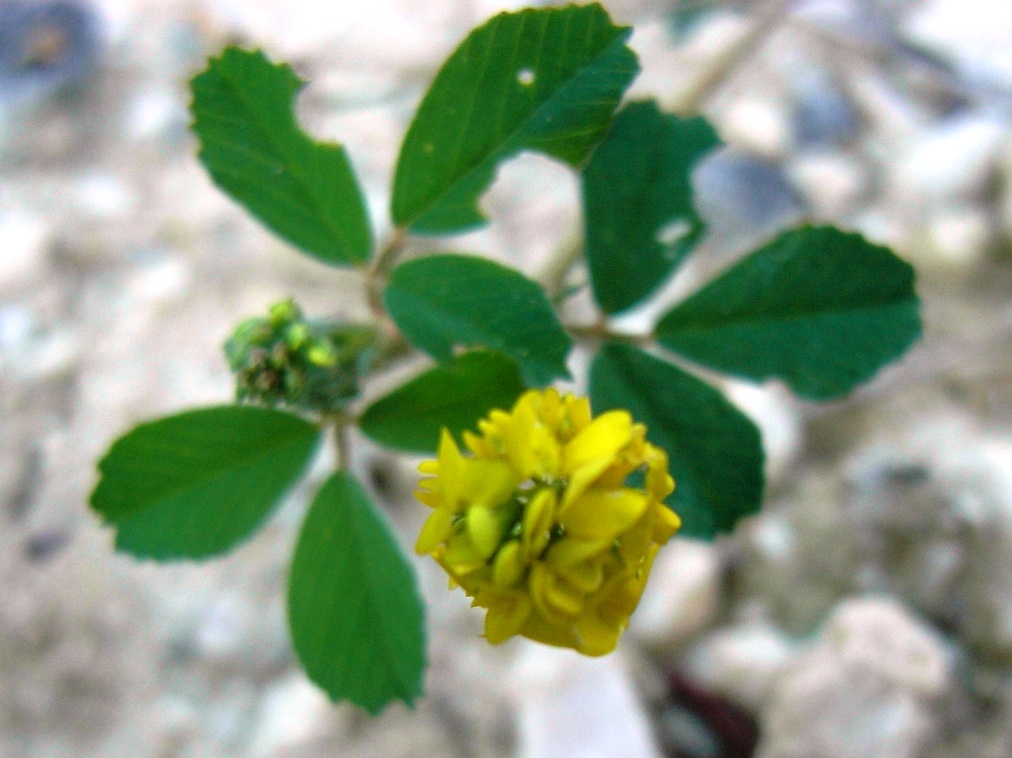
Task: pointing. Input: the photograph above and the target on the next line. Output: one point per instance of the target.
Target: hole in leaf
(672, 232)
(526, 77)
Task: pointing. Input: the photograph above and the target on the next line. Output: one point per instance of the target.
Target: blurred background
(866, 612)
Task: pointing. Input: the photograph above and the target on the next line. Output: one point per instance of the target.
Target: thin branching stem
(376, 274)
(340, 426)
(720, 68)
(601, 332)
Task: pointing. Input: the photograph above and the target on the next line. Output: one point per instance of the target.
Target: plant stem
(376, 274)
(727, 61)
(341, 441)
(601, 332)
(553, 274)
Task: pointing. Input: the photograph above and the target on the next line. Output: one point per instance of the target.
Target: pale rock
(869, 687)
(949, 483)
(757, 126)
(578, 707)
(973, 32)
(959, 237)
(531, 195)
(16, 326)
(742, 663)
(832, 183)
(222, 626)
(775, 537)
(823, 114)
(954, 159)
(881, 638)
(681, 596)
(25, 241)
(775, 412)
(105, 197)
(894, 118)
(291, 712)
(153, 114)
(160, 279)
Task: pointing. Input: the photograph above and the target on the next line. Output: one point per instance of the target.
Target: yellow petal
(482, 447)
(597, 636)
(539, 581)
(539, 515)
(462, 556)
(635, 543)
(485, 529)
(587, 576)
(577, 414)
(506, 616)
(487, 482)
(621, 596)
(569, 551)
(666, 523)
(604, 514)
(436, 529)
(429, 497)
(658, 481)
(547, 633)
(451, 469)
(550, 409)
(554, 598)
(509, 565)
(531, 446)
(603, 438)
(565, 598)
(583, 477)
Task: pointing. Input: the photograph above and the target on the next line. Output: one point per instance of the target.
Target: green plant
(816, 307)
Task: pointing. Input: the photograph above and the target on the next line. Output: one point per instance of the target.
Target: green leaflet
(353, 606)
(819, 308)
(455, 396)
(545, 79)
(444, 301)
(637, 198)
(253, 148)
(195, 484)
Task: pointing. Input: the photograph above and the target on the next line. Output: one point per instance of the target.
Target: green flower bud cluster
(286, 359)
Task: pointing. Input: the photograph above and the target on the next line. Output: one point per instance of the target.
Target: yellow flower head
(539, 524)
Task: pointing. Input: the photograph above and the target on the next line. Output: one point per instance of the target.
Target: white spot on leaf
(526, 77)
(672, 232)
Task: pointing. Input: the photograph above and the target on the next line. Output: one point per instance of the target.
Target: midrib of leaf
(503, 149)
(783, 317)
